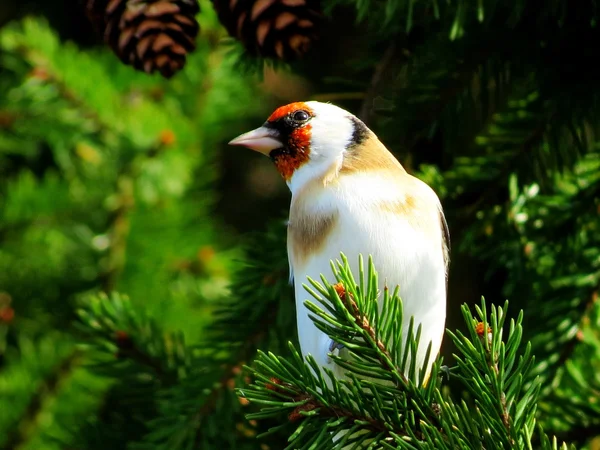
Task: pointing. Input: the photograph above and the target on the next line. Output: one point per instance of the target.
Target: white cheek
(331, 132)
(330, 135)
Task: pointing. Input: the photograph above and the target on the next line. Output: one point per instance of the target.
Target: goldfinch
(351, 195)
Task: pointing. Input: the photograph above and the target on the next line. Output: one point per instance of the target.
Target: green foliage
(459, 17)
(170, 395)
(122, 150)
(105, 183)
(45, 379)
(518, 174)
(386, 403)
(131, 349)
(108, 182)
(260, 308)
(111, 325)
(577, 385)
(23, 386)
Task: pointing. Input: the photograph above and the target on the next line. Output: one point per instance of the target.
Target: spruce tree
(133, 315)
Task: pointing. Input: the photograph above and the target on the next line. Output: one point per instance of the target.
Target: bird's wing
(445, 243)
(289, 255)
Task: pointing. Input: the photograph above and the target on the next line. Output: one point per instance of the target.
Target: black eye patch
(289, 123)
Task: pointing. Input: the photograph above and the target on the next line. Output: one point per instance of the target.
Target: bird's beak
(263, 140)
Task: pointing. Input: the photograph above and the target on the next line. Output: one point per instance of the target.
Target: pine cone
(151, 35)
(281, 29)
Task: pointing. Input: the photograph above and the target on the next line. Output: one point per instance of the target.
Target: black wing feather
(445, 244)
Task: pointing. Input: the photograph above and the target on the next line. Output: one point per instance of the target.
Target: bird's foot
(334, 346)
(445, 370)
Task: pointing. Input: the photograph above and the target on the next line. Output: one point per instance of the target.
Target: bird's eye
(300, 116)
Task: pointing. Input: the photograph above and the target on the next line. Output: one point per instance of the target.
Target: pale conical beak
(263, 140)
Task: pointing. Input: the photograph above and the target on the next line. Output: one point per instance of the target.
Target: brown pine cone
(151, 35)
(280, 29)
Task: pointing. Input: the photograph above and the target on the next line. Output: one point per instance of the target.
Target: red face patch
(295, 133)
(283, 111)
(299, 150)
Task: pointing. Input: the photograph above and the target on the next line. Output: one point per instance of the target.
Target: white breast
(404, 254)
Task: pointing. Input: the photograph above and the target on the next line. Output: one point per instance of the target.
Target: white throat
(314, 171)
(331, 133)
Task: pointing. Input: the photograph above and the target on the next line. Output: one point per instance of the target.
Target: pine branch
(261, 305)
(513, 161)
(507, 106)
(48, 389)
(362, 322)
(536, 277)
(260, 310)
(139, 123)
(440, 81)
(247, 63)
(572, 406)
(458, 17)
(234, 329)
(29, 382)
(570, 347)
(130, 344)
(54, 101)
(580, 434)
(151, 366)
(366, 109)
(377, 405)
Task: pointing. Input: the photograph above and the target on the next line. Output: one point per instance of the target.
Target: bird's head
(306, 140)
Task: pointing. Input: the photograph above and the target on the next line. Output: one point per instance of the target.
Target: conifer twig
(366, 410)
(48, 388)
(134, 353)
(231, 370)
(119, 225)
(380, 68)
(135, 336)
(332, 411)
(494, 366)
(533, 139)
(570, 346)
(363, 322)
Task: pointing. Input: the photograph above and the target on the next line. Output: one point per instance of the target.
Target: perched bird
(351, 195)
